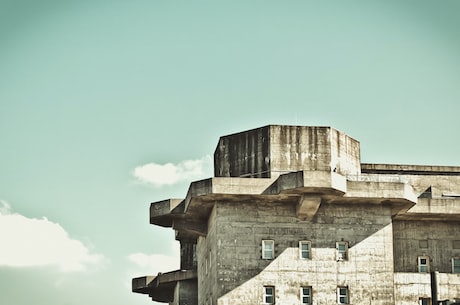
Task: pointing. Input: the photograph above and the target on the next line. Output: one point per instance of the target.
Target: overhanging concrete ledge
(399, 195)
(226, 186)
(318, 182)
(161, 287)
(371, 190)
(160, 212)
(307, 206)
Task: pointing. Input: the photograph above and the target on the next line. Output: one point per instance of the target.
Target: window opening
(423, 264)
(424, 301)
(269, 295)
(304, 249)
(268, 249)
(342, 250)
(456, 265)
(305, 295)
(342, 295)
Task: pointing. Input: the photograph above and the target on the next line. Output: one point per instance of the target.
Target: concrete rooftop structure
(292, 216)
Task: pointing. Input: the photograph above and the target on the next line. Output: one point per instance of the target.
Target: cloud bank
(151, 264)
(31, 242)
(169, 173)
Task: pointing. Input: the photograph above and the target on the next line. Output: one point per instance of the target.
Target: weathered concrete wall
(440, 184)
(243, 154)
(272, 150)
(294, 148)
(447, 182)
(437, 239)
(207, 263)
(242, 274)
(449, 286)
(410, 287)
(188, 260)
(186, 293)
(346, 155)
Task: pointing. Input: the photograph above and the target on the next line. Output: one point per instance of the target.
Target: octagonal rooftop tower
(272, 150)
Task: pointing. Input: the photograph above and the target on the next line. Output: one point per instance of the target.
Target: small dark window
(305, 295)
(423, 264)
(269, 295)
(342, 295)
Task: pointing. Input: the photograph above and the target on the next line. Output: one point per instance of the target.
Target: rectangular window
(268, 249)
(455, 264)
(423, 264)
(342, 295)
(305, 295)
(304, 249)
(342, 250)
(424, 301)
(269, 295)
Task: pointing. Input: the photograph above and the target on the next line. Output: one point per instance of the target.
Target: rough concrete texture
(272, 150)
(435, 239)
(242, 273)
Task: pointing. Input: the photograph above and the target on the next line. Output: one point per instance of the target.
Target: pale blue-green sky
(92, 90)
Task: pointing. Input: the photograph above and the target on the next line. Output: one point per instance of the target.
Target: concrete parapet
(372, 191)
(410, 169)
(435, 209)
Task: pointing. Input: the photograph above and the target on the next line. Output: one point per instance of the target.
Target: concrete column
(188, 255)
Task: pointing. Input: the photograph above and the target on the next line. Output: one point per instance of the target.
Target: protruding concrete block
(307, 206)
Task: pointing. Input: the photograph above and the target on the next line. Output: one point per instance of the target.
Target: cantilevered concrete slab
(161, 287)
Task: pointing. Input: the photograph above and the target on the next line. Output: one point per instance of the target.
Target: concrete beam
(161, 287)
(225, 186)
(318, 182)
(381, 190)
(160, 211)
(193, 226)
(307, 206)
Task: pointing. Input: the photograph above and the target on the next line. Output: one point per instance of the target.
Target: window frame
(423, 268)
(301, 251)
(303, 295)
(268, 295)
(266, 242)
(341, 255)
(424, 301)
(340, 295)
(456, 264)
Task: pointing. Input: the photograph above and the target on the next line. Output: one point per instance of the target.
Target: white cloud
(32, 242)
(169, 173)
(151, 264)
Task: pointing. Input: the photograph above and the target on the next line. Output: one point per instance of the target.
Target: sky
(106, 106)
